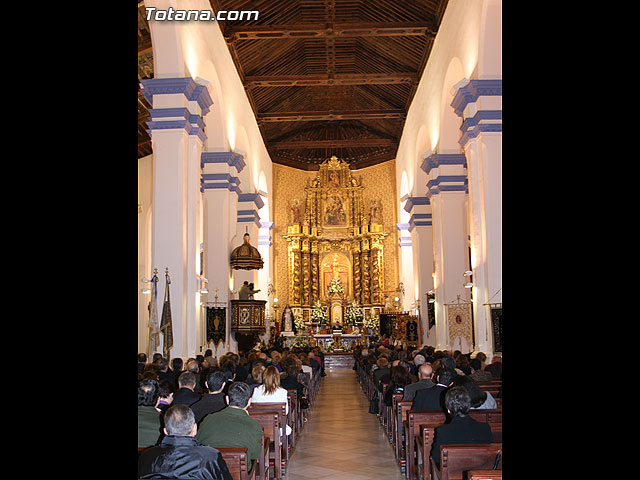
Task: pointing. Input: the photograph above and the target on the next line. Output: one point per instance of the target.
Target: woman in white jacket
(270, 391)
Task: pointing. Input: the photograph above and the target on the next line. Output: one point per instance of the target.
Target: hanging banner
(460, 326)
(496, 323)
(154, 323)
(166, 326)
(412, 330)
(216, 325)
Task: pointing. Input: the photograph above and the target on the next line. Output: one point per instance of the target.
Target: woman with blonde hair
(270, 391)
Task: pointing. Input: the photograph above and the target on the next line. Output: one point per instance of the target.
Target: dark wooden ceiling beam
(310, 116)
(329, 80)
(340, 143)
(368, 29)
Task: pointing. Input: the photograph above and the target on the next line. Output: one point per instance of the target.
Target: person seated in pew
(149, 426)
(433, 398)
(271, 391)
(232, 426)
(214, 401)
(461, 429)
(399, 379)
(495, 367)
(424, 381)
(165, 395)
(291, 369)
(477, 372)
(179, 454)
(185, 394)
(480, 399)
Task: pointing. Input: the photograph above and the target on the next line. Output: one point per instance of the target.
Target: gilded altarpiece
(336, 235)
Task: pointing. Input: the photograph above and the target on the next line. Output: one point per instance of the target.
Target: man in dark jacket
(233, 426)
(185, 394)
(462, 429)
(433, 398)
(180, 455)
(214, 401)
(424, 381)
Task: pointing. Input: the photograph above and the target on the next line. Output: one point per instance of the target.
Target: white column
(177, 133)
(420, 227)
(406, 265)
(479, 103)
(447, 196)
(220, 184)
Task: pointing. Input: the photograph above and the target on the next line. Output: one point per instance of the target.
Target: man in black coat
(180, 455)
(213, 401)
(433, 398)
(462, 429)
(185, 394)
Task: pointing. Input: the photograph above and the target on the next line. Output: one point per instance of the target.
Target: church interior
(322, 174)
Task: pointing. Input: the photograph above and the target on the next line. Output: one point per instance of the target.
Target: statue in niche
(295, 210)
(287, 319)
(334, 213)
(375, 212)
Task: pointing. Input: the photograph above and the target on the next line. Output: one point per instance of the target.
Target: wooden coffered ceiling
(324, 77)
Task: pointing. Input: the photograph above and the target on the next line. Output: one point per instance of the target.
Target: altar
(337, 341)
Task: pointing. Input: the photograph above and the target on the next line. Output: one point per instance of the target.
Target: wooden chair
(455, 460)
(270, 423)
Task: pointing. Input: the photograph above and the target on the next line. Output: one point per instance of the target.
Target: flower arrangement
(302, 341)
(336, 286)
(319, 314)
(353, 314)
(299, 322)
(373, 322)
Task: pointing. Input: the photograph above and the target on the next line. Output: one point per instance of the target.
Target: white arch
(449, 121)
(490, 41)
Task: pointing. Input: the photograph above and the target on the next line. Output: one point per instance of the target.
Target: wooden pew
(270, 423)
(281, 408)
(411, 426)
(402, 407)
(477, 474)
(424, 440)
(393, 419)
(237, 463)
(455, 460)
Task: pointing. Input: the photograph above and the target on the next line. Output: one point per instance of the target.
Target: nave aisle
(341, 439)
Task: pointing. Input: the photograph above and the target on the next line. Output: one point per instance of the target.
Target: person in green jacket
(149, 426)
(232, 426)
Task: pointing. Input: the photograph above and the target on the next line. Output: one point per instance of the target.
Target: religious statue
(295, 210)
(287, 319)
(334, 179)
(375, 213)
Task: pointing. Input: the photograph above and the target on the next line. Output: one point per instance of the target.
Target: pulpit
(247, 316)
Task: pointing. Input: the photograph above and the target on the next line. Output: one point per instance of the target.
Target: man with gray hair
(179, 454)
(424, 381)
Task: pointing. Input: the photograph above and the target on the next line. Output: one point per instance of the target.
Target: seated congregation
(235, 418)
(442, 411)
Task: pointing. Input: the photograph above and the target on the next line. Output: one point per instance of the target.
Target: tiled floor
(341, 439)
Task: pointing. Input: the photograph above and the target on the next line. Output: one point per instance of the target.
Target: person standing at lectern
(246, 291)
